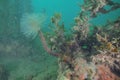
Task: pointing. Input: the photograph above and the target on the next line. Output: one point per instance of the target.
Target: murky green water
(22, 54)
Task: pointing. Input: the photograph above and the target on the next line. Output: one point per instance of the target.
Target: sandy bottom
(30, 68)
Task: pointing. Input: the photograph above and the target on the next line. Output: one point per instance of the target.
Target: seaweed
(84, 56)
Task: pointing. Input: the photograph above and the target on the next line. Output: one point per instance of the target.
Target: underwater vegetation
(81, 55)
(98, 6)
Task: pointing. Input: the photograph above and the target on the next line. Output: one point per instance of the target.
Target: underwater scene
(59, 39)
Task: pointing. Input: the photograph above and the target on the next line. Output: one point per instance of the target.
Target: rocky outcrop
(3, 73)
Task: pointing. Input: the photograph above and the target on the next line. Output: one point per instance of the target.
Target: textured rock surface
(3, 73)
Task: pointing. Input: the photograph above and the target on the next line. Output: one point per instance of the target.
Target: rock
(3, 73)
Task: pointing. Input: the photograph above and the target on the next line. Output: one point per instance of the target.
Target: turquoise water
(22, 54)
(69, 9)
